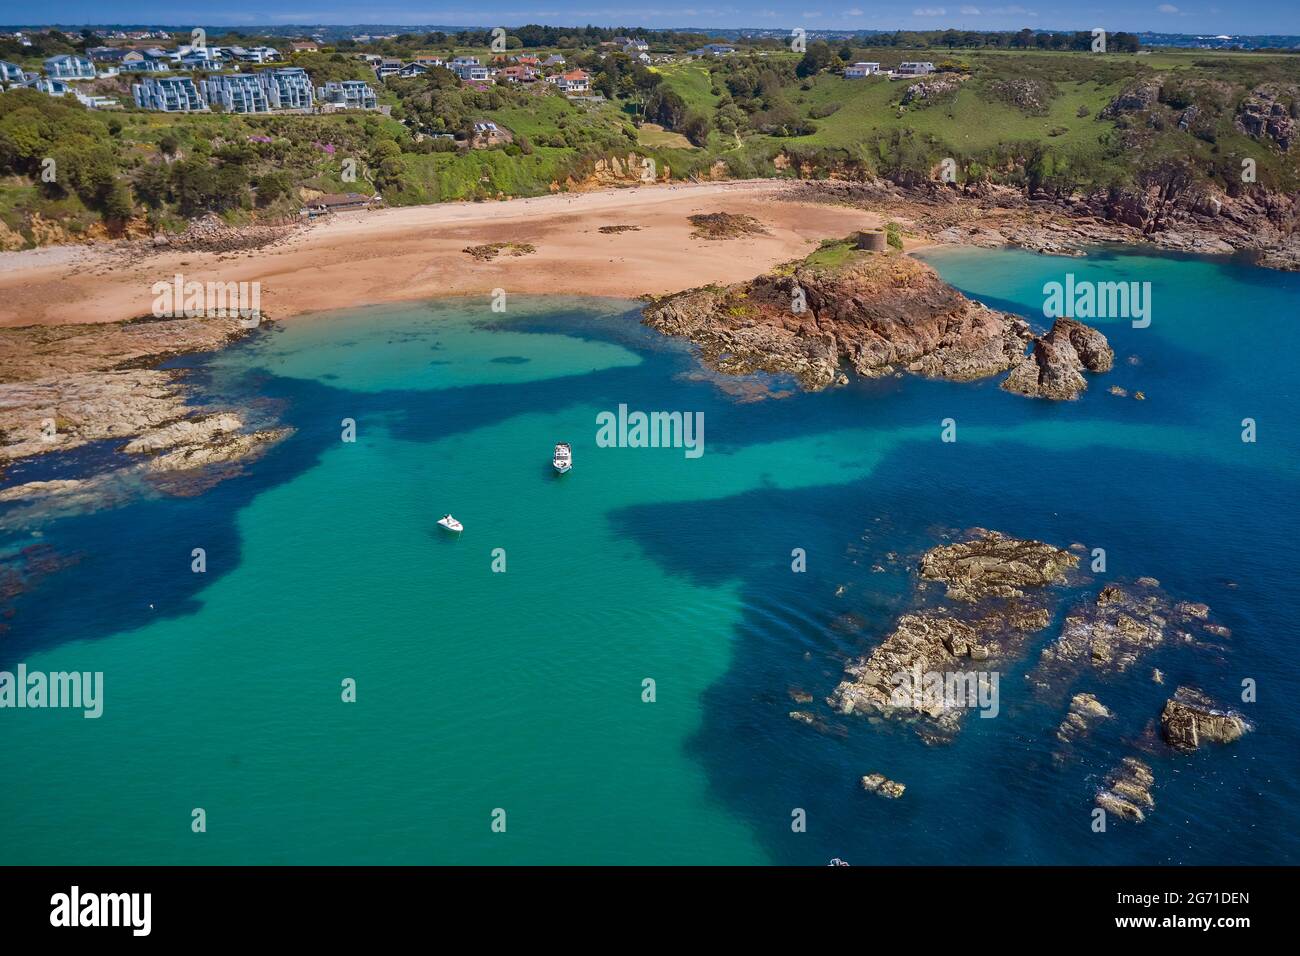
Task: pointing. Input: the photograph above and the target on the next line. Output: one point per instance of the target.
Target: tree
(815, 59)
(696, 129)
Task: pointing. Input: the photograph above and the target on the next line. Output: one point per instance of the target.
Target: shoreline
(418, 252)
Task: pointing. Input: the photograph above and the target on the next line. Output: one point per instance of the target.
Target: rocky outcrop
(878, 783)
(222, 449)
(1137, 98)
(994, 565)
(878, 314)
(1127, 790)
(928, 670)
(1264, 114)
(186, 432)
(1190, 718)
(1054, 366)
(1085, 712)
(1114, 631)
(932, 89)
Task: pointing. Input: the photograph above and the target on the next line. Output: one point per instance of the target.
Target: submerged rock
(878, 783)
(1127, 790)
(1190, 718)
(1085, 712)
(1109, 633)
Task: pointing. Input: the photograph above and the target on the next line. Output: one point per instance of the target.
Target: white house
(915, 68)
(348, 95)
(575, 81)
(287, 88)
(168, 94)
(65, 66)
(11, 72)
(236, 93)
(859, 70)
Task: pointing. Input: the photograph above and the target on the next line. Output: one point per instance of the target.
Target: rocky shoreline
(878, 314)
(65, 387)
(1265, 226)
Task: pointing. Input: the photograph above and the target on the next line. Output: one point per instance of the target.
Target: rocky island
(877, 313)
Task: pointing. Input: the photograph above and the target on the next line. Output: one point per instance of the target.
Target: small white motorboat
(563, 460)
(450, 523)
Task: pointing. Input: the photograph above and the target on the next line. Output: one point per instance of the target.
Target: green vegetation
(1033, 111)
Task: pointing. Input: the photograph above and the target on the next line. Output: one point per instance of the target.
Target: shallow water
(522, 690)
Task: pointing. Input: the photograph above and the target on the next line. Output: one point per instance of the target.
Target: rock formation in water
(1190, 718)
(878, 314)
(1127, 790)
(994, 565)
(999, 581)
(63, 387)
(1085, 712)
(1054, 366)
(1112, 632)
(878, 783)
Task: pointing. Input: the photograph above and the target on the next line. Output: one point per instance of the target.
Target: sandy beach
(418, 252)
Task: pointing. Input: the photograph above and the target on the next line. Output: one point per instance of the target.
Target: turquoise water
(522, 690)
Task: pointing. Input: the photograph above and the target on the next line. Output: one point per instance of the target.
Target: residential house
(388, 66)
(143, 61)
(257, 54)
(207, 60)
(287, 88)
(714, 49)
(169, 94)
(917, 68)
(633, 47)
(410, 70)
(469, 68)
(65, 66)
(553, 60)
(859, 70)
(304, 46)
(347, 95)
(575, 81)
(96, 102)
(518, 73)
(236, 93)
(426, 59)
(11, 73)
(51, 86)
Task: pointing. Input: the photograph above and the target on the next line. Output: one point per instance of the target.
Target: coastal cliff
(877, 313)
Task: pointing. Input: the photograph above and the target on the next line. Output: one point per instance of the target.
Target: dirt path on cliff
(417, 252)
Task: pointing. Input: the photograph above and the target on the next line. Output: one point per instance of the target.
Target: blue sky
(1175, 16)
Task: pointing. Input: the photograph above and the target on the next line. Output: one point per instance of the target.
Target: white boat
(450, 523)
(563, 460)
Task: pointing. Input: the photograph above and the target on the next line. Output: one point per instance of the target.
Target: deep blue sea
(522, 691)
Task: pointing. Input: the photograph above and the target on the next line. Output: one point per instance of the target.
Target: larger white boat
(563, 459)
(450, 523)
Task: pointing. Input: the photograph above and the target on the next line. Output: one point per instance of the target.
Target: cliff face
(876, 313)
